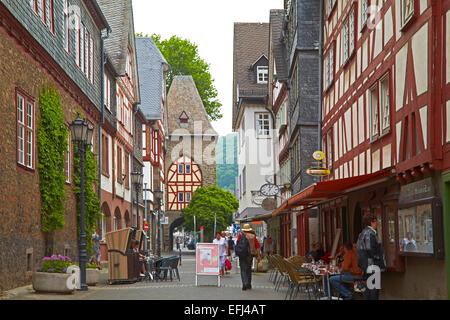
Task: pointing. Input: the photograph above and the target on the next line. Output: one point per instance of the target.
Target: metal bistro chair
(276, 266)
(284, 277)
(300, 277)
(168, 266)
(272, 266)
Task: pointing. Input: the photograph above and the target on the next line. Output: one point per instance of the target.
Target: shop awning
(327, 190)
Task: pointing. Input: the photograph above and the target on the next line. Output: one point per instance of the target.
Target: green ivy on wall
(52, 143)
(92, 211)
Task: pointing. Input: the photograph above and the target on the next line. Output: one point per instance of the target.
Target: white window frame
(180, 200)
(329, 67)
(25, 131)
(348, 36)
(107, 91)
(66, 26)
(406, 18)
(262, 74)
(380, 113)
(364, 12)
(262, 124)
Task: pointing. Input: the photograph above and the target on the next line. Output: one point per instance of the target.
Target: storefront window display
(416, 229)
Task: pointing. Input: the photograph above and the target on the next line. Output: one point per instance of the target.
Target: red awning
(327, 190)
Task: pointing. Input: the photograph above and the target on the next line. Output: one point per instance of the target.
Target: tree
(183, 58)
(205, 202)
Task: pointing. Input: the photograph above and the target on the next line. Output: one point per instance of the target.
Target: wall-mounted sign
(269, 204)
(319, 155)
(318, 172)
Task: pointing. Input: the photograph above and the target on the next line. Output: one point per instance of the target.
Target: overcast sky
(208, 24)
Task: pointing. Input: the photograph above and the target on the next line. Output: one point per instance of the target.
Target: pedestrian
(247, 247)
(178, 240)
(96, 248)
(223, 248)
(230, 247)
(370, 254)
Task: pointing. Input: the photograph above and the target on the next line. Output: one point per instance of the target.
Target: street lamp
(136, 180)
(82, 133)
(158, 196)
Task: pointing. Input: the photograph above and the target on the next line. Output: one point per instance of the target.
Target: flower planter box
(54, 282)
(92, 276)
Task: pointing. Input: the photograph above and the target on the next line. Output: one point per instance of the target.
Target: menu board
(207, 259)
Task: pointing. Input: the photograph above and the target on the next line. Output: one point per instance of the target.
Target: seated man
(349, 271)
(315, 254)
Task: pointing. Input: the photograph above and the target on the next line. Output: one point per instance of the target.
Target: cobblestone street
(207, 289)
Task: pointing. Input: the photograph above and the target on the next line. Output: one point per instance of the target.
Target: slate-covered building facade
(253, 120)
(153, 69)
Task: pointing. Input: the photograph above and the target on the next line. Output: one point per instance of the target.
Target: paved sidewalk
(230, 288)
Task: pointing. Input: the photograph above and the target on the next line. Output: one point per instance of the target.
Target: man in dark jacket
(245, 262)
(370, 253)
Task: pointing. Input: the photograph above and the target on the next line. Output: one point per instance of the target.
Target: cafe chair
(297, 260)
(276, 265)
(272, 267)
(282, 270)
(300, 278)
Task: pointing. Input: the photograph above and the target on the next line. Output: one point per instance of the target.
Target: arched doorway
(178, 222)
(127, 219)
(106, 220)
(117, 220)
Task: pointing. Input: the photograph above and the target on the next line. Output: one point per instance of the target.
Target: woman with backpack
(247, 247)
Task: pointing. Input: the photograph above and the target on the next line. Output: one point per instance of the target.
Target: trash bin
(123, 263)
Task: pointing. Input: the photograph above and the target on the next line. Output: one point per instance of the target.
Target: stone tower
(190, 160)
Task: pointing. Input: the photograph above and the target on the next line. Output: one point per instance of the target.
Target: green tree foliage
(226, 162)
(205, 202)
(183, 58)
(92, 211)
(51, 143)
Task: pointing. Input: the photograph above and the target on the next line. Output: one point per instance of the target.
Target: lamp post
(82, 133)
(158, 195)
(136, 180)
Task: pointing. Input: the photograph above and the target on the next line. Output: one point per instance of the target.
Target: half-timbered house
(383, 103)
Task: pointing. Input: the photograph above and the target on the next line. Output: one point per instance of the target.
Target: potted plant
(263, 265)
(92, 274)
(52, 276)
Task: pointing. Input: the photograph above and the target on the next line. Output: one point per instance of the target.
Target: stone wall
(22, 243)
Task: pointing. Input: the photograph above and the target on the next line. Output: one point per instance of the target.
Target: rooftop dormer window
(263, 74)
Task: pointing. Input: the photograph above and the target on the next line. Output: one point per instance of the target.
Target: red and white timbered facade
(385, 106)
(380, 105)
(183, 177)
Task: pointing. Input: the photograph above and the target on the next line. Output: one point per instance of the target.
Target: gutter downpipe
(103, 62)
(319, 127)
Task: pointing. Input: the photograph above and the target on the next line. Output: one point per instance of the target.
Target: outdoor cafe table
(323, 270)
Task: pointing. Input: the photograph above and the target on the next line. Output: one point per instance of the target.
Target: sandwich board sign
(207, 261)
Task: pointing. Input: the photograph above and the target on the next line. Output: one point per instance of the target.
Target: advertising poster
(207, 258)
